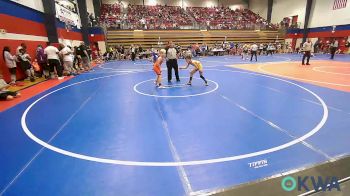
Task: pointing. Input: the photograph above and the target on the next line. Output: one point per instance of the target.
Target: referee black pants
(307, 54)
(253, 53)
(172, 64)
(133, 56)
(333, 50)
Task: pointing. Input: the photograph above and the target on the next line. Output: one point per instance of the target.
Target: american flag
(338, 4)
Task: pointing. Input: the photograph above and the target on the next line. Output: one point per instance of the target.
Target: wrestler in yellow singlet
(197, 67)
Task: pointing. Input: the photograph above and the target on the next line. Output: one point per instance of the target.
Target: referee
(253, 51)
(334, 47)
(307, 52)
(171, 63)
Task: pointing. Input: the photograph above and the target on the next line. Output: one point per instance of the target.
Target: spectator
(76, 60)
(316, 45)
(26, 66)
(84, 55)
(10, 61)
(89, 51)
(5, 94)
(42, 61)
(54, 61)
(261, 47)
(22, 46)
(157, 17)
(270, 49)
(348, 46)
(18, 59)
(66, 54)
(92, 20)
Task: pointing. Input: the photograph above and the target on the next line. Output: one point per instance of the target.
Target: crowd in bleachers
(111, 14)
(226, 18)
(157, 17)
(175, 17)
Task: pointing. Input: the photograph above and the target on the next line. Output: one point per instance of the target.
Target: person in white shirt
(245, 48)
(26, 65)
(286, 49)
(143, 23)
(333, 48)
(253, 51)
(54, 60)
(66, 54)
(10, 61)
(279, 48)
(273, 49)
(18, 59)
(307, 46)
(22, 46)
(269, 49)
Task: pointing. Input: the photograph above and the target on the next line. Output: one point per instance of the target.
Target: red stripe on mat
(31, 92)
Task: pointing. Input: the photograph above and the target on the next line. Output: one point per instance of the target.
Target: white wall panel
(90, 6)
(34, 4)
(322, 14)
(259, 7)
(286, 8)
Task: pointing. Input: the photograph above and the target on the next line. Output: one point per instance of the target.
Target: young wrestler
(197, 67)
(157, 68)
(154, 55)
(245, 52)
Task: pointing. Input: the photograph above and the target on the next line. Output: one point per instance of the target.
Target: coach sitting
(171, 63)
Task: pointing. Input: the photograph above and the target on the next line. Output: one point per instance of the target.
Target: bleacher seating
(175, 17)
(226, 18)
(223, 23)
(110, 14)
(157, 17)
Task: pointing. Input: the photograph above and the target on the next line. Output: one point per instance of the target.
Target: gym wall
(259, 7)
(321, 12)
(322, 18)
(90, 6)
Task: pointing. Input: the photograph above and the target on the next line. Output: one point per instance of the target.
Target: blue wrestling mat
(112, 132)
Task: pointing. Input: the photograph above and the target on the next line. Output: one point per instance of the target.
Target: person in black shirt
(133, 52)
(172, 56)
(140, 51)
(84, 55)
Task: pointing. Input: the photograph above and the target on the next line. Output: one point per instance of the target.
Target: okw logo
(317, 183)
